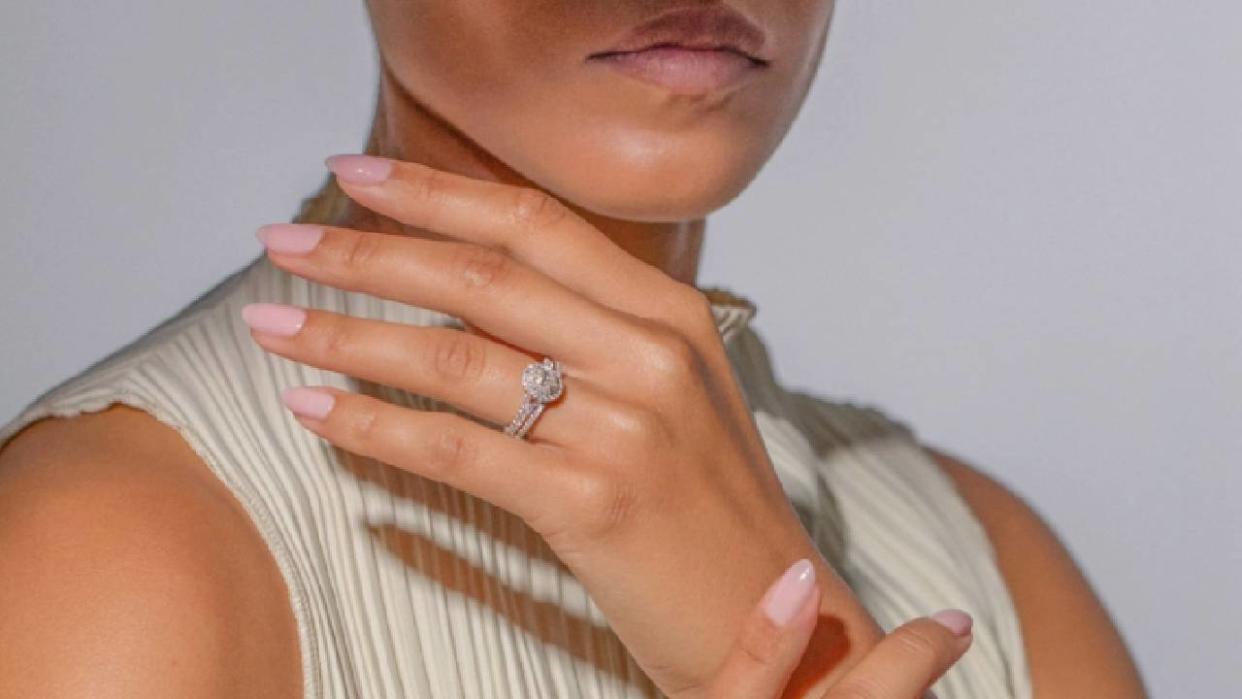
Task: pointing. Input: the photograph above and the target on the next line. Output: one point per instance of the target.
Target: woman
(306, 481)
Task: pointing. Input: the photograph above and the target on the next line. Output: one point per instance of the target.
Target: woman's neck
(403, 129)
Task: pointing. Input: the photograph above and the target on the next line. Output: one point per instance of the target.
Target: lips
(695, 50)
(703, 27)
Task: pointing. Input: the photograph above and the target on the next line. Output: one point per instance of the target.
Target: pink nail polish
(290, 238)
(274, 318)
(783, 600)
(360, 169)
(955, 620)
(308, 402)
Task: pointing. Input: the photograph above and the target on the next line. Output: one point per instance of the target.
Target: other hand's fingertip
(787, 596)
(955, 620)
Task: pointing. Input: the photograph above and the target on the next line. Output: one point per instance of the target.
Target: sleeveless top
(404, 587)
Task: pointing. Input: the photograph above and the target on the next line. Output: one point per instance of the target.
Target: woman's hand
(648, 477)
(902, 666)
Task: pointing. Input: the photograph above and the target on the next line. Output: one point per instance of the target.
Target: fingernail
(290, 238)
(955, 620)
(359, 169)
(274, 318)
(308, 402)
(783, 600)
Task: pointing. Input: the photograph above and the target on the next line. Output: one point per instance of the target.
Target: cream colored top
(403, 587)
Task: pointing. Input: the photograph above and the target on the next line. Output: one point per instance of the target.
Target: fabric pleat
(404, 587)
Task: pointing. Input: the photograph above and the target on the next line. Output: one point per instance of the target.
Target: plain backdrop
(1014, 226)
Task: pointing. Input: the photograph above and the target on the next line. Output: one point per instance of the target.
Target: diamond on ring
(542, 380)
(541, 384)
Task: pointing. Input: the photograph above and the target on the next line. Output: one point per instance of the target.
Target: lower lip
(683, 70)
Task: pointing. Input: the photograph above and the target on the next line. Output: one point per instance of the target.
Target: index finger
(530, 225)
(906, 662)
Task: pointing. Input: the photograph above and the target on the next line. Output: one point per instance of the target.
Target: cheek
(443, 52)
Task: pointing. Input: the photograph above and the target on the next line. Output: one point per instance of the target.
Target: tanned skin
(128, 569)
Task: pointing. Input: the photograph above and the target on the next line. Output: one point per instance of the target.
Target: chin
(664, 182)
(647, 200)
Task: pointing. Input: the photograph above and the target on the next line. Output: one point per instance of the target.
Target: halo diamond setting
(542, 383)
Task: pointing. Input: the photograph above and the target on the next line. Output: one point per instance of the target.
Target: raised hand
(648, 477)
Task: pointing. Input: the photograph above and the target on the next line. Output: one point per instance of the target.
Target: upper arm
(1073, 648)
(121, 575)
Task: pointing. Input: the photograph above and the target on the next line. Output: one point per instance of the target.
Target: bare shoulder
(1073, 647)
(128, 569)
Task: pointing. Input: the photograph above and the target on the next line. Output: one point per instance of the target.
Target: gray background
(1013, 225)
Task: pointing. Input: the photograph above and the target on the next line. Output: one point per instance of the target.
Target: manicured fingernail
(290, 238)
(783, 600)
(955, 620)
(359, 169)
(274, 318)
(308, 402)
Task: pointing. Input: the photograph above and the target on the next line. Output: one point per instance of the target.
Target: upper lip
(700, 27)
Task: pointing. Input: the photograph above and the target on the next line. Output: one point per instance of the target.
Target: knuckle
(635, 429)
(480, 267)
(697, 315)
(427, 186)
(362, 425)
(610, 502)
(670, 355)
(695, 302)
(332, 340)
(459, 357)
(919, 644)
(534, 210)
(450, 450)
(360, 251)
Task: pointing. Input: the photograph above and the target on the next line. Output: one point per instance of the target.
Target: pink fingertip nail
(783, 600)
(359, 169)
(955, 620)
(274, 318)
(290, 238)
(308, 402)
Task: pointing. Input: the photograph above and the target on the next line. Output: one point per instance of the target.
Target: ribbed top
(404, 587)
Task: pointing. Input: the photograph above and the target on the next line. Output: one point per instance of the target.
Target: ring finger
(477, 375)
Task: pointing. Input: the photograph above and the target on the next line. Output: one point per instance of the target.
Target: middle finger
(480, 284)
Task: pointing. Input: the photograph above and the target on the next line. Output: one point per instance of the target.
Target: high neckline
(732, 310)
